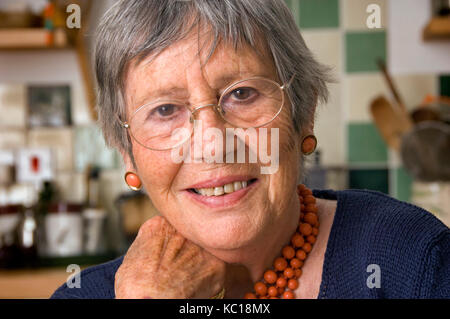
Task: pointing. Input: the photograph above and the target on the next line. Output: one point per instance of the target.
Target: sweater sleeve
(96, 282)
(436, 280)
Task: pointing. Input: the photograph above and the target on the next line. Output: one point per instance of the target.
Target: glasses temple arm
(123, 124)
(288, 84)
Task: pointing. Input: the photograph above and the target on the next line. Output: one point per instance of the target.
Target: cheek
(289, 158)
(288, 137)
(156, 169)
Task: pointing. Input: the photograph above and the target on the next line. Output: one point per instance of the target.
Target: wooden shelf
(33, 48)
(437, 29)
(33, 38)
(42, 281)
(75, 42)
(39, 283)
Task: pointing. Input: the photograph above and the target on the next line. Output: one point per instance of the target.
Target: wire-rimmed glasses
(252, 102)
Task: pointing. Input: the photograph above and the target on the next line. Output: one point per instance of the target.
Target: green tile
(362, 49)
(319, 14)
(444, 84)
(365, 144)
(403, 185)
(373, 179)
(289, 3)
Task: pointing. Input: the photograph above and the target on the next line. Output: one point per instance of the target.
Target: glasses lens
(164, 125)
(161, 125)
(251, 103)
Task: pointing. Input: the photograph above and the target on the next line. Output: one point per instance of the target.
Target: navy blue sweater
(372, 234)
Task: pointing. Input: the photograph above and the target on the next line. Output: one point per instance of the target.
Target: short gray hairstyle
(135, 29)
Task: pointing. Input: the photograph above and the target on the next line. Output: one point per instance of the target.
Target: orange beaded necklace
(282, 280)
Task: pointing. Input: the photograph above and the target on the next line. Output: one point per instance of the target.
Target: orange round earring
(133, 181)
(309, 144)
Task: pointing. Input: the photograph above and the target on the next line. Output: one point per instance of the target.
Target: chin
(228, 232)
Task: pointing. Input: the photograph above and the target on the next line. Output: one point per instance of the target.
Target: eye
(165, 110)
(242, 93)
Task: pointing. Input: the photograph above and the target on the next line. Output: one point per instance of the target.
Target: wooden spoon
(391, 85)
(392, 123)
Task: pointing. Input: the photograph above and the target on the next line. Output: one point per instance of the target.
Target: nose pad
(215, 108)
(220, 110)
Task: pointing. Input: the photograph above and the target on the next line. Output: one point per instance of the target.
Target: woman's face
(232, 220)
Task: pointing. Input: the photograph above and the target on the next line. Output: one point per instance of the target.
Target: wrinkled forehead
(190, 62)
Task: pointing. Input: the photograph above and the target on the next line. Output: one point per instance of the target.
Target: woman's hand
(163, 264)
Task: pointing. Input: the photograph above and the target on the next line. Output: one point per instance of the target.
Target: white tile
(361, 89)
(413, 88)
(355, 14)
(326, 45)
(329, 129)
(408, 53)
(59, 140)
(13, 105)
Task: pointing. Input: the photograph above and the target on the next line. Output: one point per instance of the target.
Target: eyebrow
(178, 92)
(169, 93)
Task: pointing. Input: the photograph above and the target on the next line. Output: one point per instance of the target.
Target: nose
(209, 127)
(209, 114)
(197, 108)
(206, 112)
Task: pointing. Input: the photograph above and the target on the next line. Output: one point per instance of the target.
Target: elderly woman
(196, 95)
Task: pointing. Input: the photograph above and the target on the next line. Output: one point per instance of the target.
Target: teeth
(220, 190)
(228, 188)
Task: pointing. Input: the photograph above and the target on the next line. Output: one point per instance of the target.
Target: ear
(309, 127)
(129, 167)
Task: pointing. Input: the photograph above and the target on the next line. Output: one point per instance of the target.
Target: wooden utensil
(391, 85)
(392, 122)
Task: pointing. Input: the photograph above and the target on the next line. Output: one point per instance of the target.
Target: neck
(247, 265)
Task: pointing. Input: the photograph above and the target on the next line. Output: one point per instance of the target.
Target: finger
(174, 246)
(151, 239)
(190, 252)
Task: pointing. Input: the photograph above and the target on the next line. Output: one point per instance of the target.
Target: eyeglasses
(249, 103)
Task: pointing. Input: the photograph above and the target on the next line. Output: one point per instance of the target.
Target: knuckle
(151, 225)
(155, 225)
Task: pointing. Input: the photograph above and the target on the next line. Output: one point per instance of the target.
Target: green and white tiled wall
(336, 32)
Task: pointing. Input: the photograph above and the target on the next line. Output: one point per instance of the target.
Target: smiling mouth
(223, 189)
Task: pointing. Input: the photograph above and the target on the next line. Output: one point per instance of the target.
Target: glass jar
(434, 197)
(64, 230)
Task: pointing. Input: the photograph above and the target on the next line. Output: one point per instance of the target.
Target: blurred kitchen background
(62, 196)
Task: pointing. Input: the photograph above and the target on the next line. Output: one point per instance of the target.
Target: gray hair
(135, 29)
